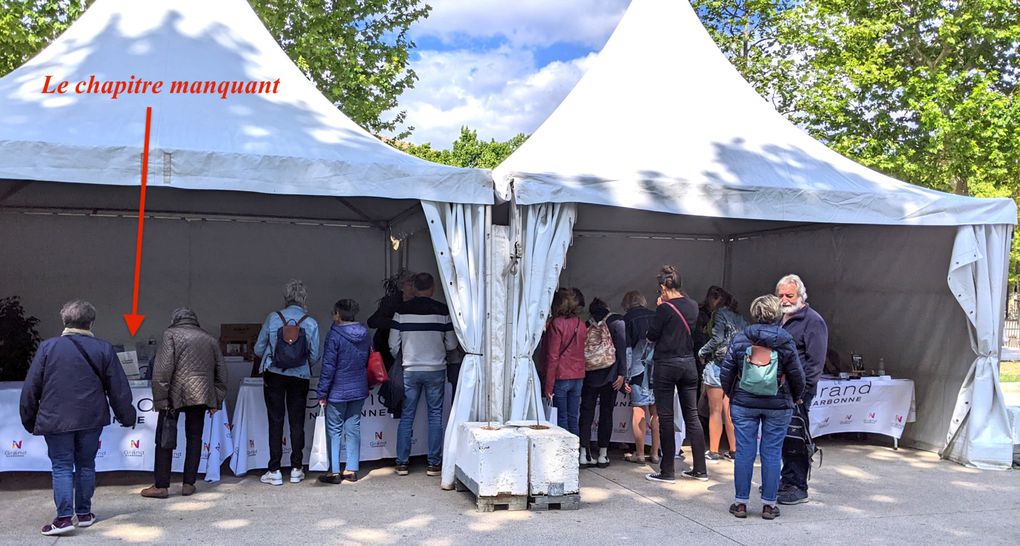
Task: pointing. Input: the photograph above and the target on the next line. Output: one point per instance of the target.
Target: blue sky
(500, 66)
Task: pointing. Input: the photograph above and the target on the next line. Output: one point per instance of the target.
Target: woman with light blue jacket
(725, 322)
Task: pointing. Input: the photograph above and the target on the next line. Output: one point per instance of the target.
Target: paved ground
(863, 494)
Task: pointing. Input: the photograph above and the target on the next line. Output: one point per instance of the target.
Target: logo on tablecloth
(621, 426)
(205, 450)
(824, 423)
(380, 440)
(134, 449)
(870, 419)
(252, 451)
(898, 422)
(100, 452)
(847, 419)
(16, 451)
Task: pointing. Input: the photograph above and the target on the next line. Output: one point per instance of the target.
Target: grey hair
(183, 313)
(294, 293)
(78, 314)
(766, 309)
(793, 279)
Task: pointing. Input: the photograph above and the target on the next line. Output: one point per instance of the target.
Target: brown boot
(188, 489)
(155, 492)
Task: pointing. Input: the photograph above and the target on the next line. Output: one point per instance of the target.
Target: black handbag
(168, 433)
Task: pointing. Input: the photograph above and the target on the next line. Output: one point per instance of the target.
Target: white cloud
(499, 93)
(524, 23)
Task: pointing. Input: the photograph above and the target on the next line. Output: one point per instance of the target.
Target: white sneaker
(296, 475)
(272, 478)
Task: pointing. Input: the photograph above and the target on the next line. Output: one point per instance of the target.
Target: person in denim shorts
(725, 322)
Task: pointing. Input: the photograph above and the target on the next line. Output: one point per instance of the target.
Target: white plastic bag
(319, 459)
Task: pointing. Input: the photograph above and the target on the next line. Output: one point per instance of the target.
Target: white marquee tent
(662, 153)
(291, 186)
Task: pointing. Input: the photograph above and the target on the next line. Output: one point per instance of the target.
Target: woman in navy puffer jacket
(343, 388)
(771, 412)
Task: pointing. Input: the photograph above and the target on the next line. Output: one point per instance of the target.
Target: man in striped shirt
(422, 334)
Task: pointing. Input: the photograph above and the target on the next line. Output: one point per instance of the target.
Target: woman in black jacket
(675, 372)
(764, 379)
(73, 381)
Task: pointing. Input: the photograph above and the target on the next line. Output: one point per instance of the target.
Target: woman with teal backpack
(764, 379)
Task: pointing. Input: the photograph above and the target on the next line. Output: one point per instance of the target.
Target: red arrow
(134, 320)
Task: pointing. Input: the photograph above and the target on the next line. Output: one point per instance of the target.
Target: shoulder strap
(300, 320)
(88, 359)
(572, 338)
(681, 315)
(282, 318)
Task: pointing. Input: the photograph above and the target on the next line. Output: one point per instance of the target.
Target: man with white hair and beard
(811, 335)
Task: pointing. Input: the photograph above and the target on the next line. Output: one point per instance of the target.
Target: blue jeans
(773, 430)
(567, 399)
(73, 455)
(343, 419)
(434, 385)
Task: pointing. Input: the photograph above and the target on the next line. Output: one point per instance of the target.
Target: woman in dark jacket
(343, 388)
(600, 386)
(564, 368)
(71, 385)
(189, 379)
(675, 372)
(769, 410)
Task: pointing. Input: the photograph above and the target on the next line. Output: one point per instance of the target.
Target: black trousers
(679, 375)
(285, 395)
(796, 463)
(194, 421)
(605, 396)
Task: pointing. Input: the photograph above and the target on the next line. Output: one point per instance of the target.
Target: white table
(378, 428)
(871, 404)
(120, 448)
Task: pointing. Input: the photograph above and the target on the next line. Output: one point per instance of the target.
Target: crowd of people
(755, 377)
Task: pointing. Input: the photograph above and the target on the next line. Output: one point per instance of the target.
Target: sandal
(633, 458)
(655, 460)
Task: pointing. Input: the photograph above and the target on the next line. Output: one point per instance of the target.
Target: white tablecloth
(120, 448)
(622, 429)
(378, 428)
(871, 404)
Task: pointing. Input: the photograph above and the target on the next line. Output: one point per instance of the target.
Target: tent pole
(727, 259)
(487, 330)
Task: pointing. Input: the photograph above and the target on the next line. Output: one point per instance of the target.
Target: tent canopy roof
(663, 122)
(292, 142)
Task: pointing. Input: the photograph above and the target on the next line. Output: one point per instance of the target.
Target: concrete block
(552, 461)
(495, 461)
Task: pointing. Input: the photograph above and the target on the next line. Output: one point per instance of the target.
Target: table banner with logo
(622, 422)
(881, 406)
(120, 448)
(378, 428)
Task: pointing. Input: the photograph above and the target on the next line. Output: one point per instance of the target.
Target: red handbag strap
(681, 315)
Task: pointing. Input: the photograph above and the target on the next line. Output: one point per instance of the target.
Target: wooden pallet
(541, 503)
(503, 501)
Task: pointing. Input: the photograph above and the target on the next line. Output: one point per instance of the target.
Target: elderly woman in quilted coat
(188, 379)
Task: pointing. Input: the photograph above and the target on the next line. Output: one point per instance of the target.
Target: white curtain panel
(458, 237)
(980, 434)
(544, 233)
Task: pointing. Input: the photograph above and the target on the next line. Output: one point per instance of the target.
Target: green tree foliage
(26, 26)
(467, 150)
(750, 34)
(925, 91)
(355, 51)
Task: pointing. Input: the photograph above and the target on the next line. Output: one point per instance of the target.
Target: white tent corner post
(980, 434)
(544, 232)
(459, 238)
